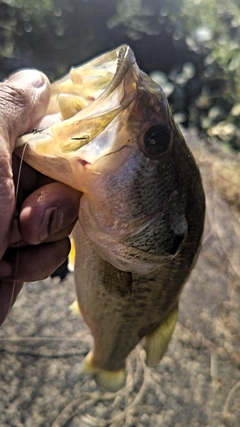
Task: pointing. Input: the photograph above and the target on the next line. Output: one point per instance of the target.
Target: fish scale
(142, 207)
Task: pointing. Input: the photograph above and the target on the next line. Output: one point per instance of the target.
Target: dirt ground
(198, 381)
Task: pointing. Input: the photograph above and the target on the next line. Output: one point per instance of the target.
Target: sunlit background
(191, 47)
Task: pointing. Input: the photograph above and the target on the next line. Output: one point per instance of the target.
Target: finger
(65, 232)
(47, 212)
(26, 265)
(23, 101)
(32, 263)
(8, 295)
(26, 179)
(17, 241)
(24, 98)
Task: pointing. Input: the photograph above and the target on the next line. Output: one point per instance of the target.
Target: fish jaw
(77, 143)
(76, 151)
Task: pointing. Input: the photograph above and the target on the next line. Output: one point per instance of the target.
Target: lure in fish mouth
(111, 136)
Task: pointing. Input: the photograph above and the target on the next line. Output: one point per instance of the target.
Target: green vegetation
(212, 30)
(192, 47)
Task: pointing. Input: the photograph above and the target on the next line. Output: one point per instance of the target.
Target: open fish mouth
(96, 110)
(84, 103)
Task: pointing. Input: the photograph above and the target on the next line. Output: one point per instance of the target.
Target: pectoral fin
(107, 380)
(74, 307)
(71, 255)
(157, 341)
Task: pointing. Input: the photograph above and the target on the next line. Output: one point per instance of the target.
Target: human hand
(34, 223)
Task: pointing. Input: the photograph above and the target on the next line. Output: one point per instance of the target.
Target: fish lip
(125, 59)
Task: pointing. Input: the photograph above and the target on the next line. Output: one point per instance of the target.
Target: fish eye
(157, 139)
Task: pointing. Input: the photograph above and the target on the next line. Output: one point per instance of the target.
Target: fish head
(85, 119)
(118, 144)
(134, 208)
(82, 106)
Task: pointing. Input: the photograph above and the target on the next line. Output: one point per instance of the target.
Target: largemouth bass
(142, 210)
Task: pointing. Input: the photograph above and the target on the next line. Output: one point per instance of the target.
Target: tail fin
(107, 380)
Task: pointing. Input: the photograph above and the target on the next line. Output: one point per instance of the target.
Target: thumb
(23, 101)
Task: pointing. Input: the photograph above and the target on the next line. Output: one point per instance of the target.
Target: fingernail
(5, 269)
(51, 222)
(32, 77)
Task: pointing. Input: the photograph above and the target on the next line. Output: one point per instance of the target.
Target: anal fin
(157, 341)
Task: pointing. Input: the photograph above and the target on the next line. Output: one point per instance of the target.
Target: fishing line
(17, 257)
(81, 406)
(20, 169)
